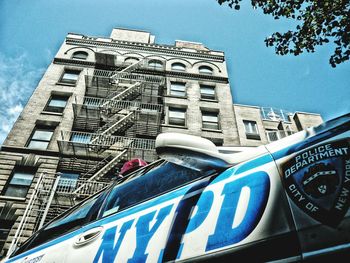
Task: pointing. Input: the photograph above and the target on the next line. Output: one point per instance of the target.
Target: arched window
(205, 70)
(131, 60)
(80, 55)
(155, 64)
(178, 66)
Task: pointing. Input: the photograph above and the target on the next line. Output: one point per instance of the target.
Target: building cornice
(156, 49)
(172, 74)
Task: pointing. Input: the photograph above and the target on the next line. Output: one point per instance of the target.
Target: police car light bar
(199, 153)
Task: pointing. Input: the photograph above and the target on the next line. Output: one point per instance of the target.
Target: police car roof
(204, 146)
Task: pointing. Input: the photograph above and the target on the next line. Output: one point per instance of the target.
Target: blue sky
(32, 31)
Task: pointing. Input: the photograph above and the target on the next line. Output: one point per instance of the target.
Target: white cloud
(18, 79)
(14, 111)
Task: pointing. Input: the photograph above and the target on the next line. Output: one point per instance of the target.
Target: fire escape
(117, 120)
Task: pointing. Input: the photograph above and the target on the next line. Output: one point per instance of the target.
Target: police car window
(153, 182)
(74, 216)
(69, 221)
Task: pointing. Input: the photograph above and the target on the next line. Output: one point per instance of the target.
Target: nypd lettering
(318, 181)
(241, 202)
(233, 226)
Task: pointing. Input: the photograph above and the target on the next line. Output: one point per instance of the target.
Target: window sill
(211, 130)
(251, 136)
(66, 84)
(174, 126)
(12, 198)
(52, 113)
(209, 100)
(176, 97)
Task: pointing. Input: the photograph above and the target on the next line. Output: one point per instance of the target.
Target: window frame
(67, 182)
(56, 109)
(177, 119)
(208, 122)
(131, 60)
(19, 170)
(40, 128)
(178, 66)
(76, 55)
(177, 84)
(252, 132)
(208, 97)
(81, 137)
(69, 82)
(157, 64)
(207, 70)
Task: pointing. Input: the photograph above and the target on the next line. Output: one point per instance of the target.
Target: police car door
(138, 215)
(53, 241)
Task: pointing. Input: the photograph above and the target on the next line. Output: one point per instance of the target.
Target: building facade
(103, 101)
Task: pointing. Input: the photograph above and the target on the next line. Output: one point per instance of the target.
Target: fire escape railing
(50, 190)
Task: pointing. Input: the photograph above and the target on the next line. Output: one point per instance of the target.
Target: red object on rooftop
(131, 166)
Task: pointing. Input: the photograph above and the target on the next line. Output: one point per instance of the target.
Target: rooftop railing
(274, 114)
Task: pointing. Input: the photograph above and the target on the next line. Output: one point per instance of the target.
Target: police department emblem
(318, 181)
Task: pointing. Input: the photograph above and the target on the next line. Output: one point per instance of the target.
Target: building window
(70, 76)
(178, 89)
(207, 92)
(56, 103)
(178, 66)
(218, 142)
(210, 120)
(289, 130)
(131, 60)
(8, 217)
(92, 102)
(205, 70)
(68, 181)
(40, 138)
(251, 130)
(80, 137)
(177, 116)
(80, 55)
(272, 135)
(19, 184)
(156, 64)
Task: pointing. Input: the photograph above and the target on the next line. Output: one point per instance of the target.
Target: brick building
(102, 101)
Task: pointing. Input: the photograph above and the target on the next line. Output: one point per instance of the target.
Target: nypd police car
(284, 202)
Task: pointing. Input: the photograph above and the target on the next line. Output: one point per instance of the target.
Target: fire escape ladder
(130, 92)
(129, 69)
(39, 200)
(112, 126)
(96, 167)
(100, 173)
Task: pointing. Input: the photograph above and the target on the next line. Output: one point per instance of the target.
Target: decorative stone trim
(74, 62)
(144, 47)
(173, 74)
